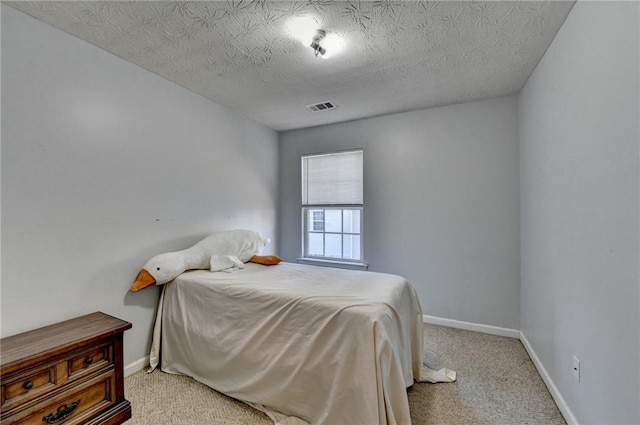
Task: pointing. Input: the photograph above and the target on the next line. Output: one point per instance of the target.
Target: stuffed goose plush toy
(217, 252)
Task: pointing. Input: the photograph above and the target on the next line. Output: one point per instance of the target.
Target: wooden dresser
(69, 373)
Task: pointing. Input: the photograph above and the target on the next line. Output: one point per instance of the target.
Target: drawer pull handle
(88, 360)
(28, 385)
(62, 413)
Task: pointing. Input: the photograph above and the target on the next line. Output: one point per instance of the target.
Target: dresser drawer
(72, 407)
(28, 385)
(68, 373)
(88, 361)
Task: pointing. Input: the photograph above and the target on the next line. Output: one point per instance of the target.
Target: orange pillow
(267, 260)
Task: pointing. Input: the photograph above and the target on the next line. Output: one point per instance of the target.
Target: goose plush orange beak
(144, 280)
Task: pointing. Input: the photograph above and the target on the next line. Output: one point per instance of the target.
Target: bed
(304, 344)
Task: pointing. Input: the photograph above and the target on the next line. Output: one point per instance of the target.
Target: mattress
(304, 344)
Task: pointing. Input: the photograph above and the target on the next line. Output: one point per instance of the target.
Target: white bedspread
(304, 344)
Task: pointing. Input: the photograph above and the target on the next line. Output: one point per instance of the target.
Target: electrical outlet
(576, 369)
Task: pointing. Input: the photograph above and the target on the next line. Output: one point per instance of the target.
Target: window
(332, 206)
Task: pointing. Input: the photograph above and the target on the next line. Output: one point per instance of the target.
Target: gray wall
(441, 203)
(580, 209)
(105, 165)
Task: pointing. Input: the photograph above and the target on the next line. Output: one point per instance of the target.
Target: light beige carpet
(497, 384)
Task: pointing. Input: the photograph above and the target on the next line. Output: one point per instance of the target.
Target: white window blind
(332, 179)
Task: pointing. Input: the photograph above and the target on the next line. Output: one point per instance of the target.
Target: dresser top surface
(65, 335)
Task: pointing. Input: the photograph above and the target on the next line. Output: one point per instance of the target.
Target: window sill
(332, 263)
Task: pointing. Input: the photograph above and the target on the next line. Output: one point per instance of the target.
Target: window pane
(315, 220)
(333, 246)
(347, 221)
(351, 247)
(351, 221)
(347, 246)
(333, 221)
(316, 244)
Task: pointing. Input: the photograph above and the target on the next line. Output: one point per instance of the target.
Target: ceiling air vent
(323, 106)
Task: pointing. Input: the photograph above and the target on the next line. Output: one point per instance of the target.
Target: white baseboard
(512, 333)
(139, 364)
(469, 326)
(557, 397)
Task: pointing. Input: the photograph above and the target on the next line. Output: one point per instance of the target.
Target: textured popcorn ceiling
(399, 55)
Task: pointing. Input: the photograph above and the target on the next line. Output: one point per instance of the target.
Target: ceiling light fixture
(331, 44)
(315, 43)
(306, 29)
